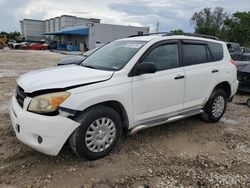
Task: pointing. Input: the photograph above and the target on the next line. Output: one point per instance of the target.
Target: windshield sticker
(133, 45)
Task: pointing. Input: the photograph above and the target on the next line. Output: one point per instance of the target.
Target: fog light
(40, 139)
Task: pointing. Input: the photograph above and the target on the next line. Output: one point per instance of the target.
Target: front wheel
(216, 106)
(100, 130)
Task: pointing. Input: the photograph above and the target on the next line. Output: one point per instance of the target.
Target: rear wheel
(100, 130)
(216, 106)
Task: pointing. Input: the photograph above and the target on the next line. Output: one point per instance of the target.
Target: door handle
(215, 70)
(179, 77)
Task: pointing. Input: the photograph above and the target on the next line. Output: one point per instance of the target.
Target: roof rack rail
(194, 35)
(148, 34)
(172, 34)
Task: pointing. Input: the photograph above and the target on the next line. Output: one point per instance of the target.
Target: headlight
(47, 103)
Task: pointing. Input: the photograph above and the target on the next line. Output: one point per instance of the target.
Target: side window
(194, 54)
(217, 50)
(247, 50)
(164, 57)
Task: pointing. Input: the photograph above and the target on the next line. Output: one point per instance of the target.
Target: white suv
(125, 86)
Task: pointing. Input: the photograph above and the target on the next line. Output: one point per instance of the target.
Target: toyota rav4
(126, 86)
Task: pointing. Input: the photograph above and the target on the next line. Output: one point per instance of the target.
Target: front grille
(20, 95)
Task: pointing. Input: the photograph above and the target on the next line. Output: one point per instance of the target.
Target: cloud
(170, 14)
(8, 17)
(78, 12)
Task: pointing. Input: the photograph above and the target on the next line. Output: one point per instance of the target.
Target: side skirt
(160, 121)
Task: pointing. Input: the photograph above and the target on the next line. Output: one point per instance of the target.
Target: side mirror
(146, 68)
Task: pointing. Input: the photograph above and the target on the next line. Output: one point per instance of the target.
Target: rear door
(202, 66)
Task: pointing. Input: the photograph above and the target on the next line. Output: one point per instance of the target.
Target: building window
(140, 33)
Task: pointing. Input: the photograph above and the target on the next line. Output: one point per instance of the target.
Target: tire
(1, 45)
(248, 102)
(84, 139)
(215, 107)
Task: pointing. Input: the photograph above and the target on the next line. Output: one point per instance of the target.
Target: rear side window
(216, 50)
(194, 54)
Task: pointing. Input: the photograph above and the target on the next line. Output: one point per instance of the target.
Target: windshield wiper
(99, 68)
(89, 66)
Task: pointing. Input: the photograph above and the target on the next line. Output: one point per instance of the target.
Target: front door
(162, 92)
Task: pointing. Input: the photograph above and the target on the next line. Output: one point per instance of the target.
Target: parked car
(51, 45)
(235, 50)
(25, 46)
(126, 86)
(18, 45)
(38, 46)
(246, 51)
(10, 42)
(243, 75)
(76, 59)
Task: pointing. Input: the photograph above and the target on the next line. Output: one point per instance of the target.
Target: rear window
(216, 50)
(194, 54)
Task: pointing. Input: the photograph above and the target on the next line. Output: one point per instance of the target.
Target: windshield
(88, 53)
(114, 55)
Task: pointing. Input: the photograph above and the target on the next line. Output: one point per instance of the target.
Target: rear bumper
(54, 130)
(234, 88)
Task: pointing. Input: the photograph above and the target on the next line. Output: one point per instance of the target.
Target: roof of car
(157, 36)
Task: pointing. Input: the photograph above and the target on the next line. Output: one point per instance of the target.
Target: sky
(171, 14)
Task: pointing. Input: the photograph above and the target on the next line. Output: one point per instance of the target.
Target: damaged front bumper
(46, 134)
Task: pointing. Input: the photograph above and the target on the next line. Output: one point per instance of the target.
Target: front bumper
(54, 130)
(244, 86)
(244, 79)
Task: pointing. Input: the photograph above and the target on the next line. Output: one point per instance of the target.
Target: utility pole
(157, 27)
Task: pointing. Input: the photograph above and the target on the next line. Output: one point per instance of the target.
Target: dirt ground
(187, 153)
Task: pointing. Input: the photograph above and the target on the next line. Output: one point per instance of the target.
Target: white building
(32, 29)
(75, 32)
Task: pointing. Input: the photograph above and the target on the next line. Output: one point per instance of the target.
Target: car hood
(243, 66)
(71, 60)
(61, 77)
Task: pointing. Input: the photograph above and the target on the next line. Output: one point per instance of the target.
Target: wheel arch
(225, 86)
(118, 107)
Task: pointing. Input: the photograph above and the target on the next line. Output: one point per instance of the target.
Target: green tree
(177, 31)
(11, 35)
(15, 35)
(209, 22)
(237, 28)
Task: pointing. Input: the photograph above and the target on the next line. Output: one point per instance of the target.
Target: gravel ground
(187, 153)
